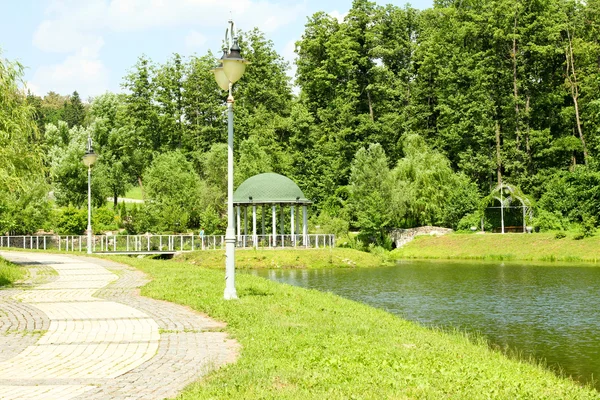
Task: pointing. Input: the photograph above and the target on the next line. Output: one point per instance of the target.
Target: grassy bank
(285, 258)
(10, 273)
(303, 344)
(517, 247)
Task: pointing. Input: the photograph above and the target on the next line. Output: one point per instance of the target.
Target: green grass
(285, 258)
(10, 273)
(134, 193)
(507, 247)
(304, 344)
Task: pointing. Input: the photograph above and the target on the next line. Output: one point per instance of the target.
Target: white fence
(159, 243)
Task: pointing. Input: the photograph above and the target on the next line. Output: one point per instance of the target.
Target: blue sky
(89, 45)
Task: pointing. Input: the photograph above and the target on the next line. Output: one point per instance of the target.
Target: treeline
(402, 118)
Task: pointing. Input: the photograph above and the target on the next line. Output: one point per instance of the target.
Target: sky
(90, 45)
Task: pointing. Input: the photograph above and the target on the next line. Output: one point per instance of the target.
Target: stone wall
(403, 236)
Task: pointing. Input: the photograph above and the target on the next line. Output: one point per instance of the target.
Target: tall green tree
(371, 193)
(23, 191)
(74, 111)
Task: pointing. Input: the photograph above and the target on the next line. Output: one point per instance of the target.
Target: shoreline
(305, 343)
(536, 247)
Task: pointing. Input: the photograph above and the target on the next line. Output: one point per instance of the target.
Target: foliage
(74, 111)
(71, 221)
(548, 221)
(371, 192)
(469, 221)
(104, 219)
(460, 97)
(427, 191)
(332, 225)
(23, 192)
(588, 226)
(573, 194)
(301, 343)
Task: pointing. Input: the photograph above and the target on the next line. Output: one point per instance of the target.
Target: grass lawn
(493, 246)
(10, 273)
(304, 344)
(134, 193)
(286, 258)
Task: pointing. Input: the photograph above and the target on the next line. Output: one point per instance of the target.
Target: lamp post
(89, 158)
(232, 69)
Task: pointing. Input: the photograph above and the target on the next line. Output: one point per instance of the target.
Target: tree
(426, 189)
(253, 160)
(370, 193)
(69, 174)
(74, 111)
(23, 192)
(175, 190)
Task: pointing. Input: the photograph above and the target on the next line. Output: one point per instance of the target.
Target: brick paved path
(78, 329)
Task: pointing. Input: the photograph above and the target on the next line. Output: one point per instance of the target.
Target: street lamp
(89, 158)
(232, 69)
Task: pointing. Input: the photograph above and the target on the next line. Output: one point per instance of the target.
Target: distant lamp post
(232, 68)
(89, 158)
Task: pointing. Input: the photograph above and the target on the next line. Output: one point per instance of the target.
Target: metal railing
(160, 243)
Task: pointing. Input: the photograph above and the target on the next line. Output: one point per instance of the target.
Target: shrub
(587, 228)
(468, 221)
(548, 221)
(71, 221)
(330, 224)
(560, 235)
(104, 219)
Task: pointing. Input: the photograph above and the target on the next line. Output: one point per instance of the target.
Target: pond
(549, 312)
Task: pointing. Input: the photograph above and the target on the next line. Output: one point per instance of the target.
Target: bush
(560, 235)
(140, 219)
(548, 221)
(468, 221)
(588, 226)
(334, 225)
(71, 221)
(104, 219)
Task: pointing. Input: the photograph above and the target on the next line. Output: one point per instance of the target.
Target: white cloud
(136, 15)
(77, 29)
(194, 41)
(338, 15)
(82, 71)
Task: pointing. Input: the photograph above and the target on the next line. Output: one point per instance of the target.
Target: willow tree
(22, 186)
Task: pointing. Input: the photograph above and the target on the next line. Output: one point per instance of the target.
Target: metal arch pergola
(506, 195)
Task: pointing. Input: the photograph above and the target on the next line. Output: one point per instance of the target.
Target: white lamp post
(232, 69)
(89, 159)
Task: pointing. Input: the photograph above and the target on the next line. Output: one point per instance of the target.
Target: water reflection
(549, 312)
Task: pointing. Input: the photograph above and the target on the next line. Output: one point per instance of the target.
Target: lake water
(549, 312)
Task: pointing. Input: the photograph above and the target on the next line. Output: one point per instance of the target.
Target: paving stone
(86, 333)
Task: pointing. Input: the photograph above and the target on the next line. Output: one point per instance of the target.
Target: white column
(292, 227)
(305, 225)
(239, 225)
(263, 219)
(274, 209)
(245, 224)
(254, 238)
(282, 222)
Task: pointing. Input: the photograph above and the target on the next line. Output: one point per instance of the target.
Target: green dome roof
(269, 188)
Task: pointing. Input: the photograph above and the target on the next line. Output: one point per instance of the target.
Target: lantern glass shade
(89, 158)
(234, 68)
(221, 78)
